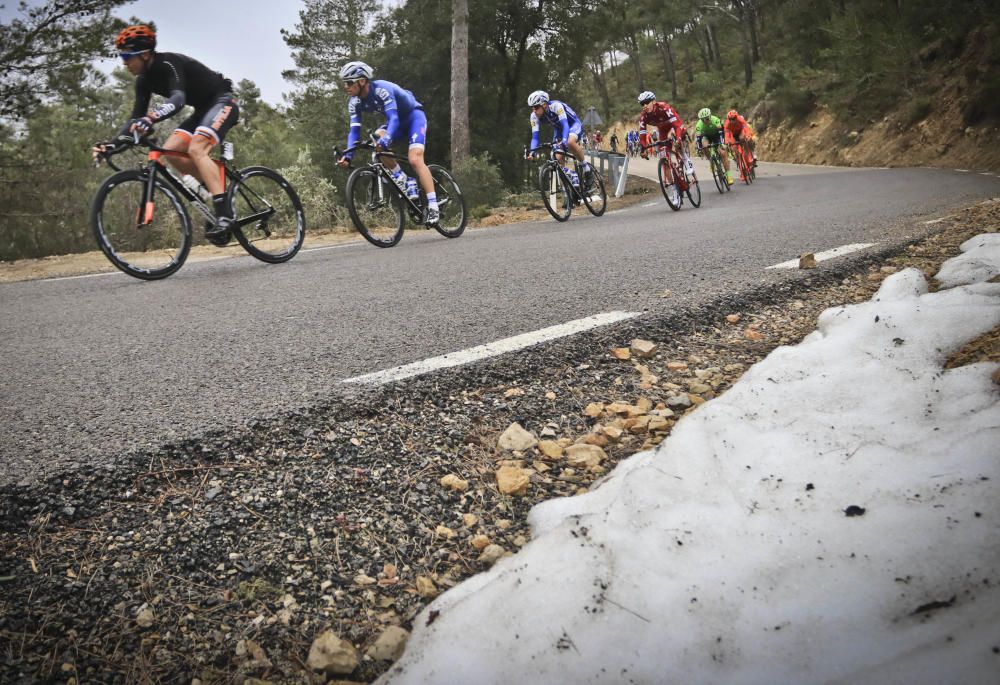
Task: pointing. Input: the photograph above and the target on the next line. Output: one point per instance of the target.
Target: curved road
(95, 365)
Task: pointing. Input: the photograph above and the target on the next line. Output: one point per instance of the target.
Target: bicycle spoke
(375, 208)
(269, 217)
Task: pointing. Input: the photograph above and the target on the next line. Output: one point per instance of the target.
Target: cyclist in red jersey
(737, 129)
(665, 119)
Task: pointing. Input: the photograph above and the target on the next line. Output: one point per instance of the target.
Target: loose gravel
(221, 559)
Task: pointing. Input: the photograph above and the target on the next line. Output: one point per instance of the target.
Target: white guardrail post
(613, 166)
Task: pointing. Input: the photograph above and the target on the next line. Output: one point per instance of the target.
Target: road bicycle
(675, 181)
(744, 161)
(717, 167)
(143, 227)
(378, 207)
(560, 194)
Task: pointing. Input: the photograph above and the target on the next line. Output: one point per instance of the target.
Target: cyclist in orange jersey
(737, 129)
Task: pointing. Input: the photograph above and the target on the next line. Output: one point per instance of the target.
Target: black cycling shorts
(215, 121)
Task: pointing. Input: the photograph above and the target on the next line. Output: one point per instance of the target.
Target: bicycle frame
(416, 210)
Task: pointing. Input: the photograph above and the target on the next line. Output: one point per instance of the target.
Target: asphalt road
(92, 366)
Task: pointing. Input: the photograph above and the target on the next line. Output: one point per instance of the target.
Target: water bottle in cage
(227, 151)
(197, 188)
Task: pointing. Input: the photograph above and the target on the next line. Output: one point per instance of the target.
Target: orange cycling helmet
(732, 114)
(136, 38)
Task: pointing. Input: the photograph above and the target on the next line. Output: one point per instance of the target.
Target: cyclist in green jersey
(711, 128)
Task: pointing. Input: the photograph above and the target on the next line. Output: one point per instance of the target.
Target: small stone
(622, 353)
(612, 432)
(453, 482)
(733, 318)
(426, 587)
(491, 554)
(332, 655)
(753, 334)
(444, 532)
(679, 401)
(470, 520)
(996, 376)
(585, 455)
(390, 644)
(550, 395)
(807, 261)
(699, 388)
(677, 366)
(550, 449)
(363, 579)
(594, 410)
(480, 542)
(515, 438)
(644, 349)
(145, 618)
(598, 439)
(513, 480)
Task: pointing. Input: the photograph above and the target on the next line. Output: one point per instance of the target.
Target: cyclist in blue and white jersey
(404, 116)
(566, 128)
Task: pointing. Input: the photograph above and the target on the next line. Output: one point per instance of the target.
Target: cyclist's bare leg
(208, 170)
(416, 157)
(575, 147)
(180, 141)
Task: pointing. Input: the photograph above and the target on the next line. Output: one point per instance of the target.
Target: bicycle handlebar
(370, 144)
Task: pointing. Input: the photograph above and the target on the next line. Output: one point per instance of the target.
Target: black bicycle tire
(719, 175)
(241, 235)
(693, 185)
(437, 169)
(665, 163)
(97, 224)
(566, 194)
(604, 195)
(394, 200)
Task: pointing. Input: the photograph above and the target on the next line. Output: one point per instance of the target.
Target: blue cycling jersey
(385, 97)
(563, 120)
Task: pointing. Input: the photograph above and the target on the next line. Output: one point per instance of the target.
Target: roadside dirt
(82, 264)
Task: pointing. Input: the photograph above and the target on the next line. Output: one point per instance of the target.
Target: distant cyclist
(667, 122)
(404, 115)
(183, 81)
(737, 129)
(710, 128)
(566, 129)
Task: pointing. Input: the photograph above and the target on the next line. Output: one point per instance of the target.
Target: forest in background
(774, 59)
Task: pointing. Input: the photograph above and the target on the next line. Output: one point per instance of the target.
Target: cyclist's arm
(563, 123)
(391, 114)
(176, 87)
(354, 133)
(534, 132)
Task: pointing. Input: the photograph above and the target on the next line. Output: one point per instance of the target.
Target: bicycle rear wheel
(149, 242)
(741, 162)
(594, 194)
(270, 222)
(451, 203)
(556, 193)
(375, 207)
(668, 184)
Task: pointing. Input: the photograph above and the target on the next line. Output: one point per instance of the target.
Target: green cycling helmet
(704, 113)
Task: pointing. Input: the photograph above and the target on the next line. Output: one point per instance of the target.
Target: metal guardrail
(613, 166)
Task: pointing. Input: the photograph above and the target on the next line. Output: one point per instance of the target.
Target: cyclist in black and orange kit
(183, 81)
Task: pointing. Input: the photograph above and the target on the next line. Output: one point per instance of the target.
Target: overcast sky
(239, 38)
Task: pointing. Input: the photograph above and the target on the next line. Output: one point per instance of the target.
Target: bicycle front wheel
(668, 184)
(375, 208)
(719, 175)
(270, 223)
(451, 203)
(693, 189)
(149, 242)
(594, 195)
(556, 193)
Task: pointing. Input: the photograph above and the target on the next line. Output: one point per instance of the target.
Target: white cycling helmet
(352, 71)
(646, 96)
(539, 97)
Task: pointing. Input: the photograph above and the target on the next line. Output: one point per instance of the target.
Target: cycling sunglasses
(351, 82)
(126, 56)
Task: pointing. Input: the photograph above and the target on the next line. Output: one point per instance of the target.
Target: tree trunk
(667, 53)
(459, 81)
(602, 88)
(751, 21)
(704, 57)
(714, 38)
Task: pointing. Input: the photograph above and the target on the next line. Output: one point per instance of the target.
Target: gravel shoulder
(221, 559)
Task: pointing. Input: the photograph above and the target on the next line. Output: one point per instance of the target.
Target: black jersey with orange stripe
(180, 79)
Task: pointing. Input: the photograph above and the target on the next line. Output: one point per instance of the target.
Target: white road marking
(985, 173)
(492, 349)
(823, 256)
(936, 221)
(651, 204)
(70, 278)
(964, 171)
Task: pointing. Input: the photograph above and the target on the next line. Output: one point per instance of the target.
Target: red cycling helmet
(136, 39)
(732, 114)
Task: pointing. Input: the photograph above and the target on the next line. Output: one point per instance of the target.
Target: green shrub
(320, 199)
(479, 179)
(917, 110)
(981, 103)
(791, 102)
